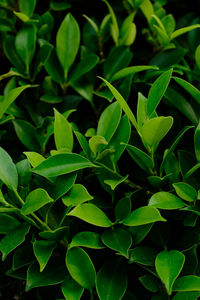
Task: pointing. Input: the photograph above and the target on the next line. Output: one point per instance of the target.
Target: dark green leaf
(27, 7)
(8, 171)
(187, 283)
(43, 250)
(71, 289)
(87, 239)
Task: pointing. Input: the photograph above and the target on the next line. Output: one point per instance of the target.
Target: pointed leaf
(191, 89)
(90, 213)
(143, 215)
(81, 267)
(34, 158)
(131, 70)
(87, 239)
(165, 200)
(60, 164)
(43, 250)
(77, 195)
(183, 30)
(71, 289)
(168, 266)
(8, 171)
(187, 283)
(185, 191)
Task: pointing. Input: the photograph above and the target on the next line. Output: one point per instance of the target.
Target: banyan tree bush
(99, 150)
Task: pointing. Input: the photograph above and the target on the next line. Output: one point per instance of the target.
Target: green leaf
(54, 68)
(113, 183)
(165, 200)
(67, 42)
(62, 132)
(25, 43)
(147, 9)
(114, 26)
(35, 200)
(13, 239)
(186, 296)
(185, 191)
(57, 6)
(154, 130)
(157, 91)
(197, 56)
(8, 171)
(81, 267)
(26, 133)
(7, 223)
(34, 158)
(140, 157)
(143, 255)
(197, 142)
(122, 208)
(121, 102)
(131, 70)
(84, 144)
(87, 239)
(90, 213)
(109, 121)
(84, 66)
(191, 89)
(183, 30)
(150, 283)
(57, 234)
(60, 164)
(143, 215)
(71, 289)
(10, 97)
(77, 195)
(117, 239)
(111, 280)
(27, 7)
(168, 266)
(43, 251)
(95, 142)
(53, 274)
(187, 283)
(62, 185)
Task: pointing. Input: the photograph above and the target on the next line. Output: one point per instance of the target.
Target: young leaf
(143, 215)
(77, 195)
(35, 200)
(60, 164)
(8, 171)
(25, 43)
(157, 91)
(81, 267)
(90, 213)
(27, 7)
(165, 200)
(185, 191)
(187, 283)
(131, 70)
(154, 130)
(71, 289)
(121, 102)
(62, 132)
(111, 280)
(13, 239)
(113, 183)
(168, 266)
(67, 42)
(87, 239)
(117, 239)
(114, 26)
(34, 158)
(183, 30)
(43, 250)
(109, 121)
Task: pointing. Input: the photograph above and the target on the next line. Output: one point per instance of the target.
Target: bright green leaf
(165, 200)
(77, 195)
(8, 171)
(187, 283)
(71, 289)
(87, 239)
(185, 191)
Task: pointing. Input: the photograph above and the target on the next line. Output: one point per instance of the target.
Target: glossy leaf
(27, 7)
(191, 89)
(77, 195)
(71, 289)
(8, 171)
(186, 296)
(168, 266)
(34, 158)
(90, 213)
(118, 240)
(35, 200)
(111, 281)
(165, 200)
(143, 215)
(67, 42)
(43, 251)
(62, 185)
(87, 239)
(62, 132)
(187, 283)
(60, 164)
(13, 239)
(81, 267)
(157, 91)
(183, 30)
(185, 191)
(131, 70)
(196, 142)
(109, 121)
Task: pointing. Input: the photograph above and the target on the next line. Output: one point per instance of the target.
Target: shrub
(100, 150)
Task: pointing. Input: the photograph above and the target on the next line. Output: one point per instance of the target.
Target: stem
(43, 224)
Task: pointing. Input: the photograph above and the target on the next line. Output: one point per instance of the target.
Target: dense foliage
(100, 150)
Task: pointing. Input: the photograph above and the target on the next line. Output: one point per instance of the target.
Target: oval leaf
(8, 171)
(185, 191)
(87, 239)
(77, 195)
(165, 200)
(187, 283)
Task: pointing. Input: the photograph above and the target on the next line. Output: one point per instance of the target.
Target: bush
(99, 181)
